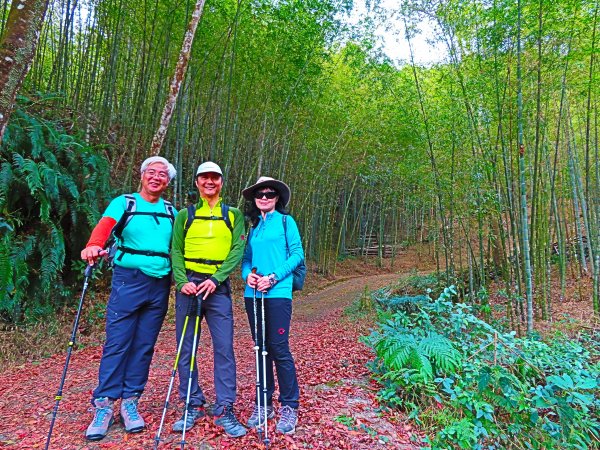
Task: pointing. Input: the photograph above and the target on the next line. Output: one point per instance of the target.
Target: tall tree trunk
(182, 63)
(525, 221)
(17, 47)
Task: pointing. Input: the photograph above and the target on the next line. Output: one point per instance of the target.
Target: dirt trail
(338, 294)
(339, 409)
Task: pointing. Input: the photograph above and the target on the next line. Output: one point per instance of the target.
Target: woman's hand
(252, 279)
(265, 283)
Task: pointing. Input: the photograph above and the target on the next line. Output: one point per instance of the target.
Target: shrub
(52, 186)
(495, 390)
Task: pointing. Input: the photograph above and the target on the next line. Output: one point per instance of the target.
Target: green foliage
(474, 386)
(415, 284)
(52, 187)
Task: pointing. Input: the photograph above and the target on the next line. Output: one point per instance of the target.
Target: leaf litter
(332, 374)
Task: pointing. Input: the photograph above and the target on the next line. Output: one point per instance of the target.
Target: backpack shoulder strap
(170, 210)
(225, 214)
(191, 213)
(287, 247)
(126, 217)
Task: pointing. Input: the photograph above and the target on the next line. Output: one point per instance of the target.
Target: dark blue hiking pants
(278, 315)
(134, 314)
(218, 311)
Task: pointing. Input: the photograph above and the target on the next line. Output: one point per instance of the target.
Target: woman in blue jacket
(274, 249)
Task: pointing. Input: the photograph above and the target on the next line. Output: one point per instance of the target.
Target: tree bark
(180, 69)
(17, 48)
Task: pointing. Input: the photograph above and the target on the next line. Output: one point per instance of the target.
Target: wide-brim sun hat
(209, 167)
(282, 189)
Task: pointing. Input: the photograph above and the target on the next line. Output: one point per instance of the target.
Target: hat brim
(282, 189)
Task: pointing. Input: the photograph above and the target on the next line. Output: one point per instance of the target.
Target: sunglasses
(269, 195)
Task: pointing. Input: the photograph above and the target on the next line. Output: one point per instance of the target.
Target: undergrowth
(52, 187)
(473, 386)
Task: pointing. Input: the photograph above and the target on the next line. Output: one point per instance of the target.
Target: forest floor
(339, 409)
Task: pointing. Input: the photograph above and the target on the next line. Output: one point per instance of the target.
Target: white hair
(159, 159)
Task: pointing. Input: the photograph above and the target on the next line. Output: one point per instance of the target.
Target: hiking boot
(132, 421)
(194, 414)
(258, 416)
(103, 419)
(287, 420)
(229, 423)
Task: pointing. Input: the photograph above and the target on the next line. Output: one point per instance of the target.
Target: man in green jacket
(204, 252)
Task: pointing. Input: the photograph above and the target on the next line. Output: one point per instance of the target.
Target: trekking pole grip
(89, 269)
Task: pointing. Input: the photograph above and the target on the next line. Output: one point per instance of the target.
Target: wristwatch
(272, 279)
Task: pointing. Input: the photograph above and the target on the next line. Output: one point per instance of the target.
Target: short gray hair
(159, 159)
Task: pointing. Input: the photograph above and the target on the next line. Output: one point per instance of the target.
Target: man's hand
(92, 253)
(208, 287)
(189, 288)
(252, 280)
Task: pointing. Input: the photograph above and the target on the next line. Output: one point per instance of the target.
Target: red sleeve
(101, 232)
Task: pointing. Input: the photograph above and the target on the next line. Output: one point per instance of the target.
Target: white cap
(159, 159)
(208, 167)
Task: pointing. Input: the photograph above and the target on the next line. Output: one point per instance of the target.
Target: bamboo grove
(490, 156)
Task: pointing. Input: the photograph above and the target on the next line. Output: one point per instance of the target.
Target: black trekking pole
(87, 274)
(192, 361)
(257, 359)
(264, 364)
(179, 346)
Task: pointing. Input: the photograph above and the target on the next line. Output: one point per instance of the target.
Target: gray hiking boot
(258, 416)
(194, 413)
(229, 423)
(287, 420)
(132, 421)
(103, 419)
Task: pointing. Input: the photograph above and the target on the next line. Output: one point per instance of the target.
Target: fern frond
(68, 184)
(50, 180)
(420, 362)
(6, 177)
(21, 252)
(395, 350)
(53, 257)
(5, 267)
(35, 132)
(441, 350)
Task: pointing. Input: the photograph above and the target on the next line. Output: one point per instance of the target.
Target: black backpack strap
(134, 251)
(225, 214)
(128, 214)
(191, 215)
(287, 247)
(170, 209)
(126, 217)
(210, 262)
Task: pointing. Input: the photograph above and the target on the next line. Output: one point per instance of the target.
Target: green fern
(50, 182)
(429, 355)
(6, 176)
(52, 187)
(5, 264)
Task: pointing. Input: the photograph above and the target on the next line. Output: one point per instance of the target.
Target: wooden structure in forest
(369, 245)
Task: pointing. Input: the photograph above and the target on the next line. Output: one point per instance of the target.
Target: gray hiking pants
(218, 311)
